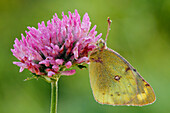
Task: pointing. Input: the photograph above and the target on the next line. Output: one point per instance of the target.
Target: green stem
(54, 96)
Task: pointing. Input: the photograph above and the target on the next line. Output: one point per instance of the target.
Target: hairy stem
(54, 96)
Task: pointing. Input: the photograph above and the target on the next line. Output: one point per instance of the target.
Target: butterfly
(114, 81)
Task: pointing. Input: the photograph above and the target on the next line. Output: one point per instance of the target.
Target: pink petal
(21, 65)
(21, 69)
(92, 31)
(91, 47)
(83, 59)
(51, 73)
(55, 67)
(98, 36)
(45, 62)
(71, 72)
(68, 64)
(75, 51)
(59, 61)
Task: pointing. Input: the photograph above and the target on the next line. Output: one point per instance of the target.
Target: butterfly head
(101, 44)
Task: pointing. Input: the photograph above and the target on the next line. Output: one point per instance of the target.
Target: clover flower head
(63, 43)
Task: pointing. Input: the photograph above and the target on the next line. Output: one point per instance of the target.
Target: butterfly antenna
(108, 28)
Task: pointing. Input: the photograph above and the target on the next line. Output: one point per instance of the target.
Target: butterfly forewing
(115, 82)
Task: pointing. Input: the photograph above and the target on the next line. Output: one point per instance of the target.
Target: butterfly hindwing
(114, 81)
(145, 93)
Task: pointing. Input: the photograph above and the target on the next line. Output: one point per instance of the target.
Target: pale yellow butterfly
(114, 81)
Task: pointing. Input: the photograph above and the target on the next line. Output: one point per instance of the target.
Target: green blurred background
(140, 31)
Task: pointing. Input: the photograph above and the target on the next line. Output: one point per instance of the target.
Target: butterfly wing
(114, 81)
